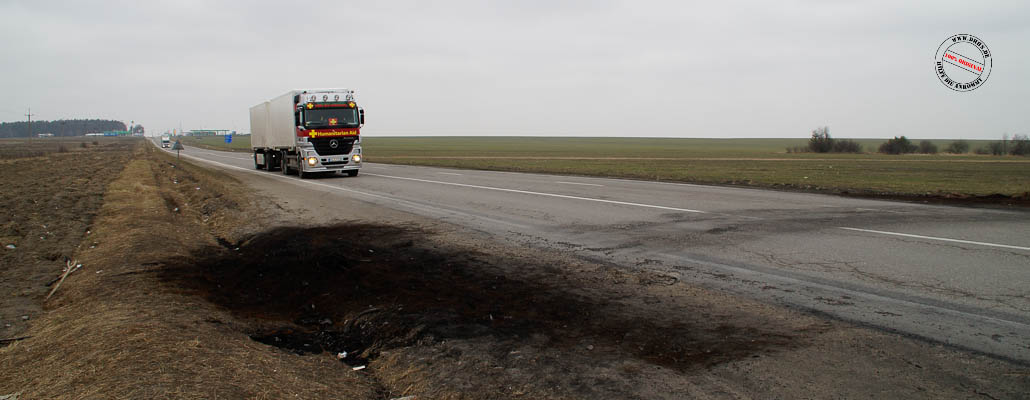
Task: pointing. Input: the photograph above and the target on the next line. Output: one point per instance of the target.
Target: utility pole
(30, 121)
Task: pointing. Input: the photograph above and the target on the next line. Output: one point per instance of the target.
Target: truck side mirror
(361, 115)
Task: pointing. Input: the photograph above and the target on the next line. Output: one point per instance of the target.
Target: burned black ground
(364, 289)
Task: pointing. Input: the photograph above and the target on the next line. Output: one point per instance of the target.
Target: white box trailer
(308, 131)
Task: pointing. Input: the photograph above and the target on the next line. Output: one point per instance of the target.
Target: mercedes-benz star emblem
(334, 143)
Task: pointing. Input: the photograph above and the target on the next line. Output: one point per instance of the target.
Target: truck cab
(166, 141)
(328, 132)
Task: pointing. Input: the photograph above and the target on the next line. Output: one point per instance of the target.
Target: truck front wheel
(352, 172)
(300, 169)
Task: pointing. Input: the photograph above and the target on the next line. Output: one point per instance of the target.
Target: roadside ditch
(194, 287)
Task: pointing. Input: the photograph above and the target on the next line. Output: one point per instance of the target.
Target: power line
(30, 121)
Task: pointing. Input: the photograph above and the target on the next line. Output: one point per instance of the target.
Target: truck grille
(324, 146)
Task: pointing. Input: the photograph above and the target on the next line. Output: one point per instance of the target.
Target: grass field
(751, 162)
(239, 143)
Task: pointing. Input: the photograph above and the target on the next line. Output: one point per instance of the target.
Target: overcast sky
(542, 68)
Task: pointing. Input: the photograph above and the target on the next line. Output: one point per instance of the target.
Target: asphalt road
(953, 275)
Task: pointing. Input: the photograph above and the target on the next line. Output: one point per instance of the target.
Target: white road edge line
(301, 182)
(878, 210)
(478, 187)
(578, 183)
(561, 196)
(472, 186)
(936, 238)
(450, 173)
(833, 288)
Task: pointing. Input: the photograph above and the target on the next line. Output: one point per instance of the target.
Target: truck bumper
(308, 168)
(324, 163)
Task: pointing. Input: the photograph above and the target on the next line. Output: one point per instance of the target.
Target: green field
(239, 143)
(751, 162)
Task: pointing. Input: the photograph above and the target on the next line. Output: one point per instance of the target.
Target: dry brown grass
(15, 148)
(113, 330)
(120, 329)
(165, 303)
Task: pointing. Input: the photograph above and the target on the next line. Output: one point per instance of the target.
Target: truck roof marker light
(336, 98)
(310, 106)
(351, 104)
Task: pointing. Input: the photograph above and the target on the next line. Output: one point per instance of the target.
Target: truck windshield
(342, 117)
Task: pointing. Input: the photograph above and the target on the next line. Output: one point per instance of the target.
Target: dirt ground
(52, 190)
(196, 284)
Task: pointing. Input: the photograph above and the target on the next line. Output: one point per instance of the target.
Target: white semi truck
(308, 131)
(166, 141)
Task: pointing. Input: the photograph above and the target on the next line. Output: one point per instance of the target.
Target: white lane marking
(485, 171)
(834, 288)
(449, 173)
(411, 204)
(878, 210)
(561, 196)
(578, 183)
(937, 238)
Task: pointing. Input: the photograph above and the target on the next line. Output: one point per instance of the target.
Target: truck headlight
(312, 161)
(356, 158)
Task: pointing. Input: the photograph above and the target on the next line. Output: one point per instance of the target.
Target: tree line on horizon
(822, 142)
(61, 127)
